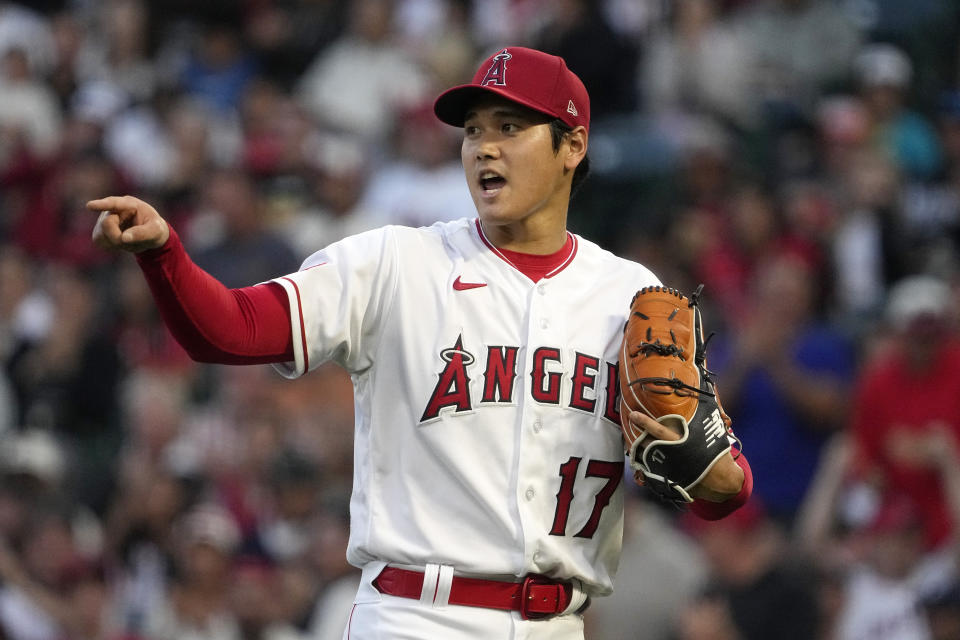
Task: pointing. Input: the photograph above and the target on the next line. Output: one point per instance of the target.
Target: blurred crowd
(799, 157)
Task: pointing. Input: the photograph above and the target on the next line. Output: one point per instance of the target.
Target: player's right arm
(213, 323)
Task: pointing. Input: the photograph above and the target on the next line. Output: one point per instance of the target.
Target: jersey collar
(531, 265)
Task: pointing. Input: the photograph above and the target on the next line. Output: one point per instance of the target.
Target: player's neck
(533, 235)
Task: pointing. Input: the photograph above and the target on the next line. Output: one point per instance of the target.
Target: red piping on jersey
(303, 331)
(536, 269)
(350, 620)
(568, 260)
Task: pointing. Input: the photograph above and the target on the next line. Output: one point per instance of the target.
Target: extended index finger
(113, 203)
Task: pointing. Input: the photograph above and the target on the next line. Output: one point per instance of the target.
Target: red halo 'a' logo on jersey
(497, 73)
(453, 384)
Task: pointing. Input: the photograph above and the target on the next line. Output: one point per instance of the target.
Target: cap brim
(452, 105)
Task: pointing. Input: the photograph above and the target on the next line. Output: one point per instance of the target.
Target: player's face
(512, 169)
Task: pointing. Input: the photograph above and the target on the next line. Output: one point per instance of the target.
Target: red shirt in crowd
(897, 404)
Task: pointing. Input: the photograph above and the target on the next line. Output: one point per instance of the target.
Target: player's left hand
(722, 482)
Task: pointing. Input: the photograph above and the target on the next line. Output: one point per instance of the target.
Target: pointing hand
(128, 223)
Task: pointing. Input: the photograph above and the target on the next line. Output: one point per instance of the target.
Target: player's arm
(725, 488)
(815, 515)
(213, 323)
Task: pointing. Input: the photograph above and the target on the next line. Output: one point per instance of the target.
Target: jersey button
(537, 556)
(537, 426)
(542, 289)
(529, 493)
(544, 323)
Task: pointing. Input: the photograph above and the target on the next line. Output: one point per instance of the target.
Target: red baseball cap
(529, 77)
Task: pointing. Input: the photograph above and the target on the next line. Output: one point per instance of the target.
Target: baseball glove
(663, 373)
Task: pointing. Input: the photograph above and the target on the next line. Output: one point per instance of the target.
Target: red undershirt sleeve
(717, 510)
(212, 323)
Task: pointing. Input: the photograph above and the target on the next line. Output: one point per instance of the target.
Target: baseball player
(487, 497)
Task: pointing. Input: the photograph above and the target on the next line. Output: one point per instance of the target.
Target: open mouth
(491, 183)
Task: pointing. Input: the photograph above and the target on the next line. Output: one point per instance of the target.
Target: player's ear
(575, 146)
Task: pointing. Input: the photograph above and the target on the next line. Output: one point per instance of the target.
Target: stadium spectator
(218, 69)
(240, 248)
(23, 28)
(361, 81)
(697, 63)
(869, 249)
(884, 74)
(906, 396)
(871, 540)
(579, 32)
(755, 595)
(796, 50)
(30, 116)
(786, 378)
(121, 56)
(423, 182)
(198, 600)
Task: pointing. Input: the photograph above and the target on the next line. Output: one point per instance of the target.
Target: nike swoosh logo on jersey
(463, 286)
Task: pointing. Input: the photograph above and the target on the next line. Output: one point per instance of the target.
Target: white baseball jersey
(487, 433)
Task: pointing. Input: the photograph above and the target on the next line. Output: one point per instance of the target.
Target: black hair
(558, 130)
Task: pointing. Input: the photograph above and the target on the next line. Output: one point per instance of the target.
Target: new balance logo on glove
(714, 427)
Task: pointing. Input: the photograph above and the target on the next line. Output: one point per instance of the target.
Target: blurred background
(799, 157)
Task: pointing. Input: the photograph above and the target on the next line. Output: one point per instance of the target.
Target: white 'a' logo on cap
(497, 73)
(572, 109)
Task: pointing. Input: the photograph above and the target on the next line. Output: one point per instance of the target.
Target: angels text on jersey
(553, 381)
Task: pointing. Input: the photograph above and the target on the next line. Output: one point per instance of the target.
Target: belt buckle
(527, 597)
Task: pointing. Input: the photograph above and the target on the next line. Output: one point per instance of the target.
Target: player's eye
(510, 127)
(470, 130)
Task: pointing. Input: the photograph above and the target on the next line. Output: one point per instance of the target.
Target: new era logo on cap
(529, 77)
